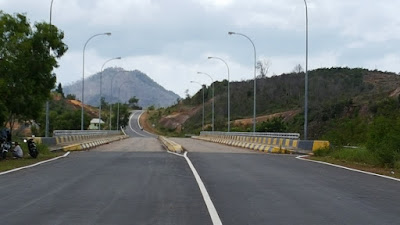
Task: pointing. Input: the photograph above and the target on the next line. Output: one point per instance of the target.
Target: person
(17, 152)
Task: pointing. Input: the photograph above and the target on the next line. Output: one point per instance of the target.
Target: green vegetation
(348, 107)
(62, 116)
(26, 66)
(44, 154)
(358, 158)
(66, 116)
(358, 155)
(276, 124)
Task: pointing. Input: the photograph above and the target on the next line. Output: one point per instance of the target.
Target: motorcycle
(33, 152)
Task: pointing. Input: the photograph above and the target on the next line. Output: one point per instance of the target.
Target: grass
(357, 158)
(44, 154)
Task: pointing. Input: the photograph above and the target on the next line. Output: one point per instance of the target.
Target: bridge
(136, 181)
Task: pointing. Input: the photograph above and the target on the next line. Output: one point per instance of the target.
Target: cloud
(171, 40)
(389, 62)
(214, 4)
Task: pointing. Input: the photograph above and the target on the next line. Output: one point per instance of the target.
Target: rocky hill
(125, 84)
(343, 102)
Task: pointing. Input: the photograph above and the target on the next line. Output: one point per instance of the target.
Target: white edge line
(36, 164)
(139, 119)
(123, 131)
(130, 125)
(210, 205)
(141, 126)
(346, 168)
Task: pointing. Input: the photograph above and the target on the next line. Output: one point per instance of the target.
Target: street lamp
(255, 69)
(111, 91)
(47, 102)
(119, 92)
(83, 72)
(213, 99)
(229, 96)
(101, 82)
(306, 79)
(202, 121)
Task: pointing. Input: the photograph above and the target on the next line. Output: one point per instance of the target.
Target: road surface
(249, 187)
(135, 181)
(134, 129)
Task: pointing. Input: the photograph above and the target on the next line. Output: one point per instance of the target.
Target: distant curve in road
(134, 129)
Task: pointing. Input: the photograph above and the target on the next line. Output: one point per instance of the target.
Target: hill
(337, 97)
(125, 84)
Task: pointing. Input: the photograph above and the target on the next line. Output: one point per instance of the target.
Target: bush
(360, 155)
(322, 152)
(276, 124)
(384, 139)
(347, 132)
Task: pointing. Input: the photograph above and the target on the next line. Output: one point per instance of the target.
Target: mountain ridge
(117, 82)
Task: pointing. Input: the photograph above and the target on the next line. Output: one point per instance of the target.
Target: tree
(263, 67)
(60, 90)
(124, 114)
(187, 94)
(133, 103)
(276, 124)
(104, 104)
(298, 69)
(71, 97)
(28, 56)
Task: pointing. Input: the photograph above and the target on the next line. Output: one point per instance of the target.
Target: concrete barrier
(52, 141)
(266, 144)
(170, 145)
(89, 144)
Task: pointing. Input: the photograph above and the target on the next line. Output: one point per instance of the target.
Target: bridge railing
(251, 134)
(58, 133)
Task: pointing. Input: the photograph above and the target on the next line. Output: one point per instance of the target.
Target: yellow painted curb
(91, 144)
(170, 145)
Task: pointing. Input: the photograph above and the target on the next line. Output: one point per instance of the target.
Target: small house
(94, 124)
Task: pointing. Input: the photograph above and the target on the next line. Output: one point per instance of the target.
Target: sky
(171, 40)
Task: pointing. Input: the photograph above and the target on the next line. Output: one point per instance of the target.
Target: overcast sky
(170, 40)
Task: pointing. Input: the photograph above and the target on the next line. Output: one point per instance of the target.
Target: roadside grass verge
(356, 158)
(44, 154)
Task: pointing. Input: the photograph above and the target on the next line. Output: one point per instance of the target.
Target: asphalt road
(248, 187)
(135, 181)
(134, 129)
(129, 182)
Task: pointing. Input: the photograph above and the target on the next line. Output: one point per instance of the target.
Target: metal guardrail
(58, 133)
(251, 134)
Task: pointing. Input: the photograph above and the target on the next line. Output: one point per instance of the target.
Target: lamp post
(47, 102)
(101, 82)
(306, 79)
(229, 96)
(202, 121)
(255, 77)
(213, 99)
(83, 73)
(119, 92)
(111, 87)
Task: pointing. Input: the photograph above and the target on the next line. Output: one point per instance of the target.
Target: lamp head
(230, 32)
(199, 72)
(119, 57)
(209, 57)
(108, 33)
